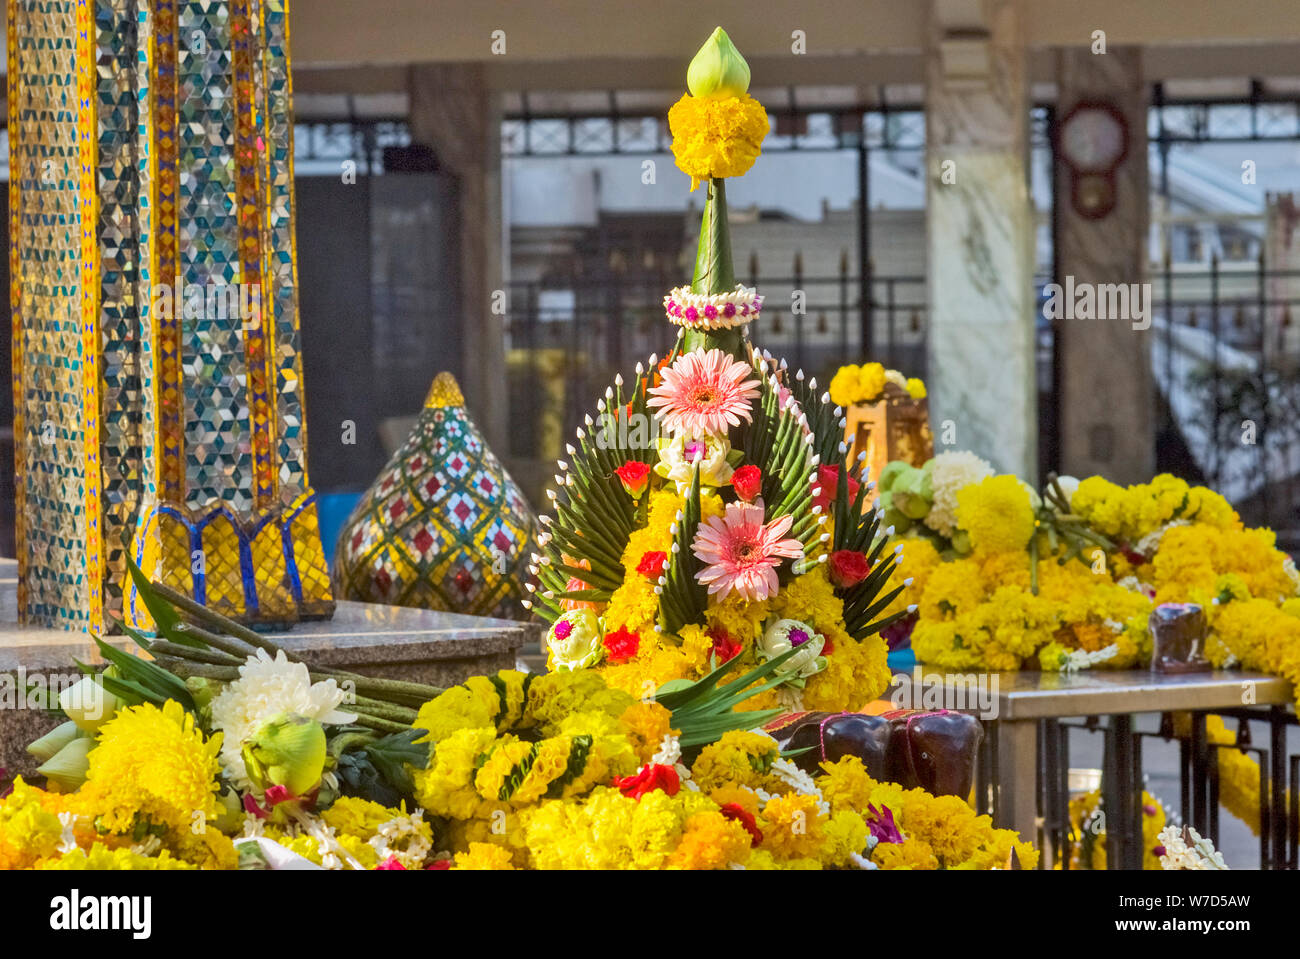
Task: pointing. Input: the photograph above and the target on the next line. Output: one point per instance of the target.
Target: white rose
(677, 458)
(574, 640)
(786, 634)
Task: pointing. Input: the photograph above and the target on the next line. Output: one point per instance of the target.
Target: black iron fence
(569, 336)
(1226, 361)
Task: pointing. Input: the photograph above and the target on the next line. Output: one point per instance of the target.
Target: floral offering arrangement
(1003, 578)
(867, 383)
(709, 565)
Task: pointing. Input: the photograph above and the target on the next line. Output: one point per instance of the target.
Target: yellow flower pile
(580, 733)
(716, 137)
(939, 832)
(1127, 514)
(152, 773)
(1087, 839)
(856, 671)
(979, 613)
(863, 384)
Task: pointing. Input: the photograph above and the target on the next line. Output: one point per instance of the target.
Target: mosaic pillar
(157, 379)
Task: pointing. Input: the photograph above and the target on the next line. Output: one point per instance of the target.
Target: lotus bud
(288, 751)
(89, 704)
(718, 70)
(66, 770)
(54, 740)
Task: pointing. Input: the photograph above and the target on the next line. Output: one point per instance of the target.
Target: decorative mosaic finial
(444, 392)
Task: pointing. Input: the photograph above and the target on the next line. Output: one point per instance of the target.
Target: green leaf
(164, 614)
(149, 676)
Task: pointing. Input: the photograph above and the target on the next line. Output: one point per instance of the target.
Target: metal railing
(568, 336)
(1226, 361)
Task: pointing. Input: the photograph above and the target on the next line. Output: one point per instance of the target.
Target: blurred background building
(486, 187)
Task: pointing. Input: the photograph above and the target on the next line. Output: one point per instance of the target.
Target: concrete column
(1107, 400)
(454, 112)
(979, 230)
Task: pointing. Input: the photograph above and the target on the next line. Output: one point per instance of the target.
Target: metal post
(1277, 753)
(864, 246)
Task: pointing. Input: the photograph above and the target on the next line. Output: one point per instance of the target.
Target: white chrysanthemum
(1082, 659)
(949, 473)
(265, 688)
(403, 839)
(1178, 855)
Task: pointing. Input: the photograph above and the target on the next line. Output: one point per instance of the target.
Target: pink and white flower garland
(715, 311)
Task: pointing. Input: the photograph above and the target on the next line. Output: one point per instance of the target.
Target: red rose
(738, 813)
(747, 482)
(621, 645)
(634, 475)
(649, 777)
(724, 647)
(439, 864)
(652, 564)
(828, 480)
(391, 863)
(848, 568)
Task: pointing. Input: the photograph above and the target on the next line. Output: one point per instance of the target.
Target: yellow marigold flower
(646, 724)
(714, 138)
(908, 854)
(738, 758)
(484, 855)
(447, 787)
(101, 857)
(871, 381)
(997, 514)
(856, 673)
(846, 784)
(792, 826)
(353, 816)
(473, 704)
(844, 386)
(493, 780)
(153, 763)
(710, 841)
(846, 834)
(29, 831)
(209, 849)
(916, 388)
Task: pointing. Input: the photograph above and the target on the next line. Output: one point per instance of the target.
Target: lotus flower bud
(66, 770)
(718, 70)
(88, 704)
(288, 751)
(54, 740)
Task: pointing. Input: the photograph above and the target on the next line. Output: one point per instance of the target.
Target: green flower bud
(893, 469)
(288, 751)
(718, 70)
(54, 740)
(961, 542)
(89, 704)
(67, 768)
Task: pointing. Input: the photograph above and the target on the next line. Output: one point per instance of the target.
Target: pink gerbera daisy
(705, 392)
(741, 553)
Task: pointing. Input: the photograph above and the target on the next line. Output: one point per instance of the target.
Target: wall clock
(1092, 141)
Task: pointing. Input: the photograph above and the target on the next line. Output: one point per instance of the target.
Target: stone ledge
(390, 642)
